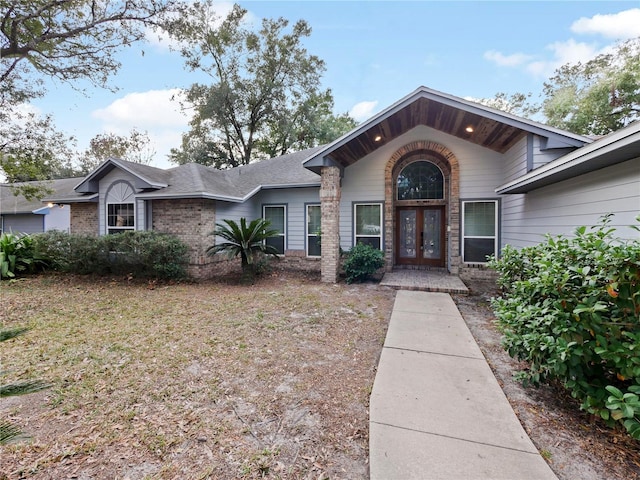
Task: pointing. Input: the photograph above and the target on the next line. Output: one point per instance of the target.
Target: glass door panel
(407, 234)
(420, 236)
(431, 234)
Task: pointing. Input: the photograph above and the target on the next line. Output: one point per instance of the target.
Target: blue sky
(376, 52)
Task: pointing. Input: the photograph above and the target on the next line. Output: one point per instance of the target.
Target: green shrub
(141, 254)
(17, 255)
(571, 309)
(362, 262)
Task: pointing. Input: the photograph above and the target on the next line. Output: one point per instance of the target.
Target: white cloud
(502, 60)
(562, 53)
(569, 52)
(620, 26)
(363, 110)
(153, 111)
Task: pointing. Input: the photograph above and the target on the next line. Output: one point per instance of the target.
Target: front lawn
(192, 381)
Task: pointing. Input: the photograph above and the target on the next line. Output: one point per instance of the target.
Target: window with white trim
(479, 230)
(314, 219)
(367, 222)
(121, 212)
(277, 215)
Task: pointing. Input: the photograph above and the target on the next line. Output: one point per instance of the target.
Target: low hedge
(144, 254)
(570, 308)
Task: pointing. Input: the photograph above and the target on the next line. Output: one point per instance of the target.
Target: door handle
(421, 240)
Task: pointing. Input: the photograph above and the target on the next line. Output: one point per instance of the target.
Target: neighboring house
(435, 181)
(19, 215)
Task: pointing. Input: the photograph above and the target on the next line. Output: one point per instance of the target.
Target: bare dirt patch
(193, 381)
(220, 381)
(575, 444)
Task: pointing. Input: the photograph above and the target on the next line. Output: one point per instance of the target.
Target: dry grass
(192, 381)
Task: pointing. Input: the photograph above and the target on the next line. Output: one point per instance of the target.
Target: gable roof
(145, 175)
(18, 204)
(193, 180)
(493, 129)
(617, 147)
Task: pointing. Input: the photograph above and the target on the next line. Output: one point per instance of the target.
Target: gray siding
(560, 208)
(295, 200)
(236, 211)
(514, 162)
(364, 182)
(512, 205)
(540, 157)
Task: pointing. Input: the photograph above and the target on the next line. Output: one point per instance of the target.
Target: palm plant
(245, 240)
(8, 431)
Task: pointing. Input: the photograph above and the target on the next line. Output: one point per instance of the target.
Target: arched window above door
(420, 180)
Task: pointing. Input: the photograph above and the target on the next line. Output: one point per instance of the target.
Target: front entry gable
(470, 121)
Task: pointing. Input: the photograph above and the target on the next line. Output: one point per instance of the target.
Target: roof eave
(67, 200)
(615, 148)
(225, 198)
(172, 196)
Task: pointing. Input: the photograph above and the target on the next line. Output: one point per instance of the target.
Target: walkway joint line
(454, 438)
(434, 353)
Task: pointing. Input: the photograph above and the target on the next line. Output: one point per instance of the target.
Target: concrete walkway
(437, 411)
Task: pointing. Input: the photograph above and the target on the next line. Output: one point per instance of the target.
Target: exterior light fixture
(377, 138)
(469, 129)
(50, 205)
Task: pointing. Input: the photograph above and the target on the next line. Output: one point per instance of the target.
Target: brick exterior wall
(477, 272)
(298, 260)
(448, 163)
(330, 194)
(84, 219)
(191, 220)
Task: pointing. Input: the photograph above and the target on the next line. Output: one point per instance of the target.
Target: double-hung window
(277, 215)
(120, 208)
(368, 224)
(314, 217)
(479, 230)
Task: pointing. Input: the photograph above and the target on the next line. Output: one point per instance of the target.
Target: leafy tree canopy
(32, 149)
(592, 98)
(265, 97)
(599, 96)
(66, 40)
(134, 148)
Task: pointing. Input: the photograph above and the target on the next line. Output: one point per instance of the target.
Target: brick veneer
(448, 163)
(191, 220)
(478, 272)
(330, 210)
(84, 218)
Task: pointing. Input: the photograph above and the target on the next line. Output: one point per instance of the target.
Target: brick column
(330, 210)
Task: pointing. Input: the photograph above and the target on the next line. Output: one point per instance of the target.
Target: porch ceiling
(487, 132)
